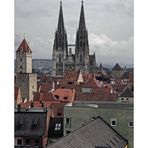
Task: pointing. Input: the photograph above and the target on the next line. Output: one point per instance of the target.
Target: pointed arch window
(60, 57)
(80, 58)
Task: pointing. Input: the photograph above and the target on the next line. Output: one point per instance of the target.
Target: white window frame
(57, 127)
(129, 124)
(113, 119)
(68, 124)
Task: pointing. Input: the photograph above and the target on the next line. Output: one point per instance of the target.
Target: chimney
(42, 104)
(32, 104)
(19, 108)
(53, 86)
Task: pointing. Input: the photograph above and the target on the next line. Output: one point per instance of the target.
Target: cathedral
(62, 55)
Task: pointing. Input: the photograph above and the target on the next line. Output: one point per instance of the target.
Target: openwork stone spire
(61, 27)
(60, 40)
(82, 25)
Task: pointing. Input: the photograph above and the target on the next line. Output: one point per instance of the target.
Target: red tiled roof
(38, 96)
(119, 87)
(96, 94)
(24, 47)
(71, 75)
(44, 87)
(36, 104)
(56, 107)
(64, 94)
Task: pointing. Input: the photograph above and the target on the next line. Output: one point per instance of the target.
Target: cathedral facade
(63, 57)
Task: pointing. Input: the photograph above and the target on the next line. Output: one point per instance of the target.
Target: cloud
(109, 24)
(111, 51)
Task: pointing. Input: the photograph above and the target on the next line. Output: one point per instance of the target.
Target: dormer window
(59, 114)
(70, 82)
(65, 98)
(57, 97)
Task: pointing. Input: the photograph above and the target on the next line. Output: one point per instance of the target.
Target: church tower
(25, 79)
(60, 47)
(82, 45)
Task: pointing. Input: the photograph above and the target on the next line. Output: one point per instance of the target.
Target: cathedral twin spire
(60, 41)
(61, 27)
(64, 60)
(61, 36)
(60, 48)
(82, 25)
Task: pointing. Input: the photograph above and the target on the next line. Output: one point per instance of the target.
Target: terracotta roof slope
(24, 47)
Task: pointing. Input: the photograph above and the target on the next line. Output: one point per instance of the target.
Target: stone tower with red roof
(25, 79)
(24, 58)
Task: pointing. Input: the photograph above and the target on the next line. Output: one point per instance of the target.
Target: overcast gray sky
(109, 24)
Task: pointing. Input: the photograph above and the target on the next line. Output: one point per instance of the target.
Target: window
(59, 114)
(80, 58)
(93, 118)
(68, 132)
(130, 124)
(65, 98)
(19, 141)
(27, 141)
(57, 97)
(115, 139)
(86, 90)
(20, 59)
(21, 67)
(70, 82)
(113, 122)
(36, 142)
(35, 124)
(60, 57)
(58, 126)
(67, 121)
(20, 124)
(112, 142)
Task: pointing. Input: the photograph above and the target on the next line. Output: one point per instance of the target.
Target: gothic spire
(82, 18)
(61, 27)
(60, 40)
